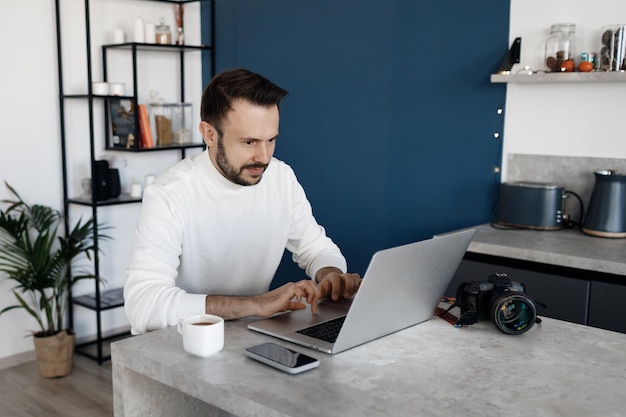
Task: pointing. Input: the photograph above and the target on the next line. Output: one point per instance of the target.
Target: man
(214, 227)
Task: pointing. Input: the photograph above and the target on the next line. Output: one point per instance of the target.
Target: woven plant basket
(55, 354)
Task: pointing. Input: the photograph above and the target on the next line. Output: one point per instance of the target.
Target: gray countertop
(567, 247)
(431, 369)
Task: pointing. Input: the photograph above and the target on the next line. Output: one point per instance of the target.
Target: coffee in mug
(203, 335)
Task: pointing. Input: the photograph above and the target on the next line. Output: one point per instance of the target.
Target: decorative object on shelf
(150, 33)
(117, 89)
(100, 88)
(123, 128)
(561, 48)
(172, 123)
(163, 34)
(38, 261)
(85, 184)
(613, 52)
(118, 36)
(107, 182)
(179, 11)
(139, 31)
(135, 190)
(589, 57)
(181, 123)
(145, 132)
(148, 180)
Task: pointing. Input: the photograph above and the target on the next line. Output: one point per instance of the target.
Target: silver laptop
(401, 287)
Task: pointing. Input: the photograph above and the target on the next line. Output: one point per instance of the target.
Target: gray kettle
(606, 214)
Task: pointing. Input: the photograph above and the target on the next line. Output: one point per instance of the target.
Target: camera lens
(514, 314)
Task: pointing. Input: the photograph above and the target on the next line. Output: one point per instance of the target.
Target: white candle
(150, 33)
(118, 36)
(139, 31)
(135, 190)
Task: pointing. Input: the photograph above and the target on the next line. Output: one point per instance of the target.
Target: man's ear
(209, 134)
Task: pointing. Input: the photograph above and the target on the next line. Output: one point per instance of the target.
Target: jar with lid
(561, 48)
(163, 34)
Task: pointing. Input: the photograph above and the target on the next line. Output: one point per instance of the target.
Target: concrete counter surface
(568, 248)
(431, 369)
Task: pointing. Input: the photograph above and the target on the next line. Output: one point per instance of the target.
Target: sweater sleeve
(151, 298)
(311, 248)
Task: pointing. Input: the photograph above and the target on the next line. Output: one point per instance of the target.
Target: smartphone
(280, 357)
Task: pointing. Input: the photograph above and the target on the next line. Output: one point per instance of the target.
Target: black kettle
(606, 215)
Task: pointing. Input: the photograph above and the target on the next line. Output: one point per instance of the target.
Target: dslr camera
(500, 299)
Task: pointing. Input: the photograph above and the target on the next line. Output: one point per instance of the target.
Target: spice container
(163, 34)
(613, 52)
(561, 48)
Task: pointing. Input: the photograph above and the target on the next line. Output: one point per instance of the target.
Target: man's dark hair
(234, 84)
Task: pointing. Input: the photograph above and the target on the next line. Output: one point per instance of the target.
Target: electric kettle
(606, 215)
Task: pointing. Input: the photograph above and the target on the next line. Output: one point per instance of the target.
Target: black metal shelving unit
(100, 301)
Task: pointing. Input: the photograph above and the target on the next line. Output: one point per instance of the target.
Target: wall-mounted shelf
(560, 77)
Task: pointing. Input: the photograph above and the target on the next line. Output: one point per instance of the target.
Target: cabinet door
(604, 306)
(566, 298)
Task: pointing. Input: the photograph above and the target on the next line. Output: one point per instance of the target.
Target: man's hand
(332, 282)
(288, 297)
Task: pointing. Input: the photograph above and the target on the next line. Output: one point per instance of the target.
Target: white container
(117, 89)
(118, 36)
(139, 34)
(150, 33)
(100, 88)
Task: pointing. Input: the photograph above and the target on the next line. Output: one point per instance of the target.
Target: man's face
(247, 145)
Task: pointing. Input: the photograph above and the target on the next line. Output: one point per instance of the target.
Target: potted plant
(39, 261)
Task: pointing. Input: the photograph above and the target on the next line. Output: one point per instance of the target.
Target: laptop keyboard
(326, 331)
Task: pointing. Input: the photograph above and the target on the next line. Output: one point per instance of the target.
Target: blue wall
(390, 116)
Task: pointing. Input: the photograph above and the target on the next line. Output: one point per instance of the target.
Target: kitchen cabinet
(99, 137)
(605, 306)
(566, 298)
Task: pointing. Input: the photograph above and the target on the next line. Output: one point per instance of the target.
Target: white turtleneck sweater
(200, 234)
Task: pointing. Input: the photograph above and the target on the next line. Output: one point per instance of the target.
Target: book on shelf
(123, 123)
(145, 133)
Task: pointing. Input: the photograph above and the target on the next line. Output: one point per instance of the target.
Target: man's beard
(230, 172)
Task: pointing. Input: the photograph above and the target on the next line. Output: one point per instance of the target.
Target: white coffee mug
(203, 335)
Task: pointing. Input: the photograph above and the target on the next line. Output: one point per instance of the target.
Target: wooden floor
(87, 391)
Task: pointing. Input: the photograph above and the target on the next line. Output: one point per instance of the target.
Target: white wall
(564, 119)
(30, 158)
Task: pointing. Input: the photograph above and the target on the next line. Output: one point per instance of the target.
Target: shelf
(179, 1)
(85, 96)
(90, 349)
(122, 199)
(108, 299)
(98, 348)
(157, 47)
(157, 148)
(560, 77)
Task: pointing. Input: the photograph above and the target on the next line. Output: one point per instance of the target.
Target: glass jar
(163, 34)
(561, 48)
(613, 48)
